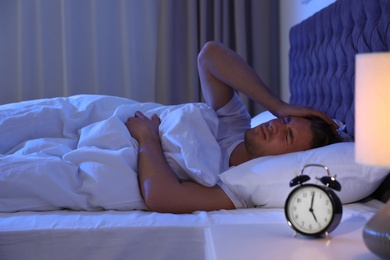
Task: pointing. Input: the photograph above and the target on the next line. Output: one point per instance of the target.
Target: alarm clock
(311, 209)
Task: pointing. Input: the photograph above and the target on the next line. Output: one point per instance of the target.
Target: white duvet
(77, 153)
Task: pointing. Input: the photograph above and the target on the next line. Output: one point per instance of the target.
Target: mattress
(255, 233)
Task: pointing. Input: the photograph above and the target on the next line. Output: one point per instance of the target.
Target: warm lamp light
(372, 135)
(373, 109)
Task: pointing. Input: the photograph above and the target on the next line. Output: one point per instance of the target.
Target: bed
(322, 53)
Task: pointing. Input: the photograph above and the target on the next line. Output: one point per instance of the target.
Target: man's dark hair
(323, 133)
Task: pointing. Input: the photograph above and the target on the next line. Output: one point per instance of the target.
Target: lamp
(372, 137)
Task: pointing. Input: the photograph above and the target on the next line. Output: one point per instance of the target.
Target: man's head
(288, 134)
(324, 134)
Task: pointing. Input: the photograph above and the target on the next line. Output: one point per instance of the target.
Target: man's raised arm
(222, 71)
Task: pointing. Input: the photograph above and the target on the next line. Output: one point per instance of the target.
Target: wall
(291, 13)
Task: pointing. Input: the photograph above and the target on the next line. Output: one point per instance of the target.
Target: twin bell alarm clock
(311, 209)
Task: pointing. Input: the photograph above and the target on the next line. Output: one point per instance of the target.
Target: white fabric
(149, 235)
(261, 118)
(234, 120)
(48, 163)
(265, 181)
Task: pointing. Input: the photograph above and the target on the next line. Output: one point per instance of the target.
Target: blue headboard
(323, 49)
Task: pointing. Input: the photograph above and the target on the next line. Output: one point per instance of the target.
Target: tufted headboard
(323, 49)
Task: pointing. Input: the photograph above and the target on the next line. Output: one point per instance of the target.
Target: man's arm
(159, 186)
(222, 71)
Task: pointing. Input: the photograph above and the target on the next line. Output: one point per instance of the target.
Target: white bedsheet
(76, 152)
(222, 235)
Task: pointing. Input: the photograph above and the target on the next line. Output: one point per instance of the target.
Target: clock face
(309, 209)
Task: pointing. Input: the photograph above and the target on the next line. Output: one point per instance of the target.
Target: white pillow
(261, 118)
(265, 181)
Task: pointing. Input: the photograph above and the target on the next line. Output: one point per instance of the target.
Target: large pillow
(265, 181)
(261, 118)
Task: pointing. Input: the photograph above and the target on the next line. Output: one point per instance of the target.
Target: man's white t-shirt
(234, 120)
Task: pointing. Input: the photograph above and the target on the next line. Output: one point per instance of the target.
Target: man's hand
(142, 128)
(221, 71)
(160, 188)
(302, 111)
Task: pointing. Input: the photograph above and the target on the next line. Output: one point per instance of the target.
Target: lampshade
(372, 99)
(372, 136)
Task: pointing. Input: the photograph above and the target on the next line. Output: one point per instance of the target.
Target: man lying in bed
(222, 72)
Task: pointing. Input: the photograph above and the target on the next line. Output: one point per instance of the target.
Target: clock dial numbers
(311, 209)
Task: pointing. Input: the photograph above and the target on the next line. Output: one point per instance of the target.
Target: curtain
(140, 49)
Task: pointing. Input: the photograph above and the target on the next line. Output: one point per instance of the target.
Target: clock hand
(312, 202)
(314, 216)
(311, 207)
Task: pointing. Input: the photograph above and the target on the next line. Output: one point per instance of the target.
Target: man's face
(279, 136)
